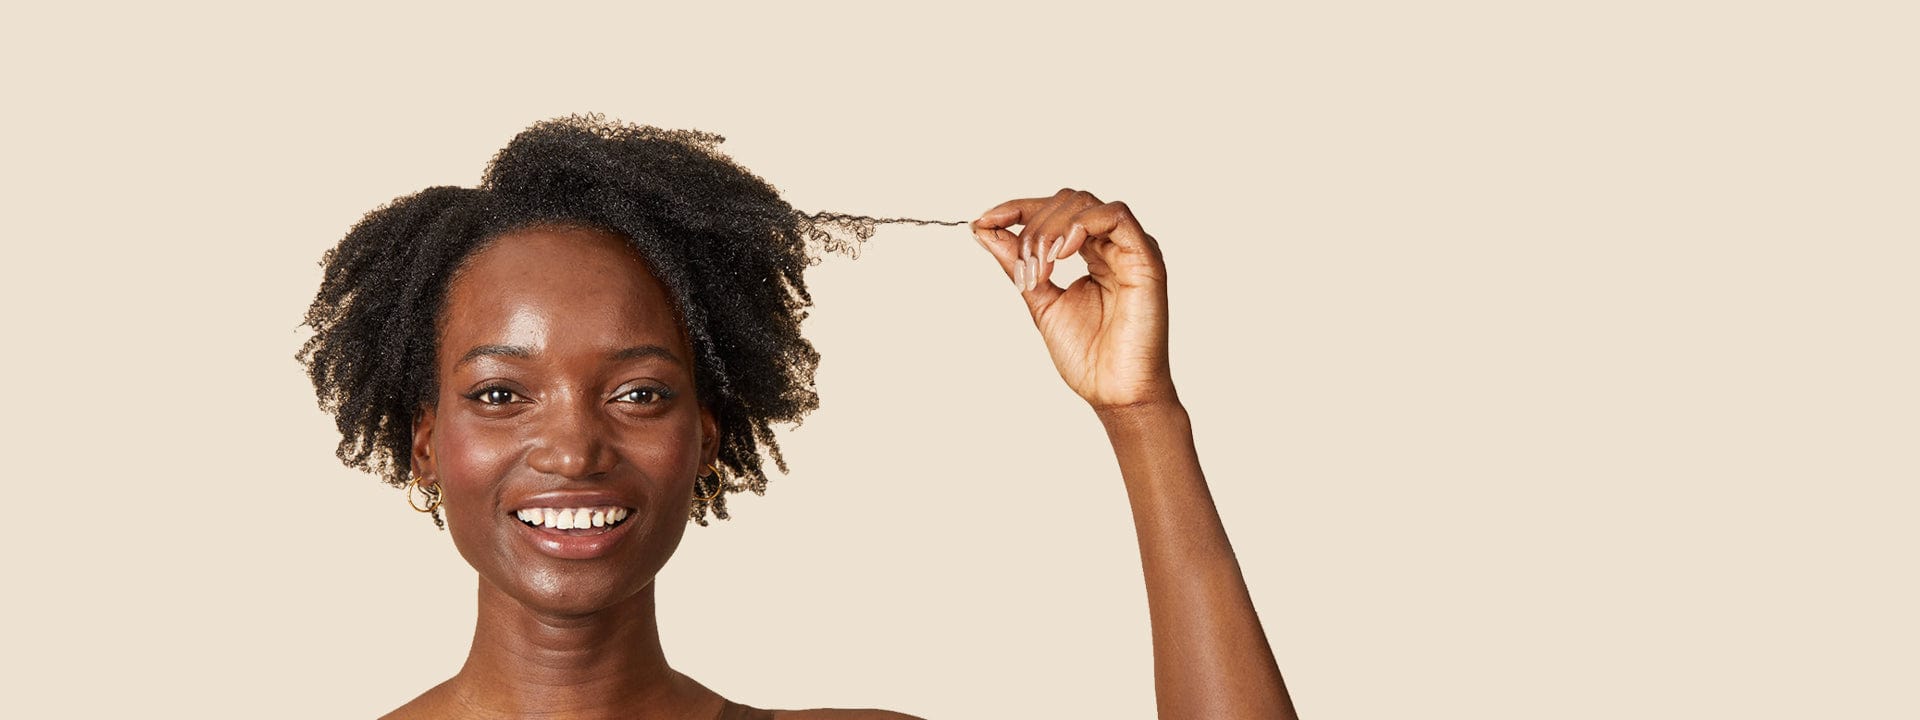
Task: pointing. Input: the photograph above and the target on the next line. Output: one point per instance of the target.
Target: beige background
(1546, 362)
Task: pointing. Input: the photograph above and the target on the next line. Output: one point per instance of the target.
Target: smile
(574, 521)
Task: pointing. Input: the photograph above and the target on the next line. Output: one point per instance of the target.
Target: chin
(553, 592)
(570, 576)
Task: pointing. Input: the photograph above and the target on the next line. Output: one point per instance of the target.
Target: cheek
(475, 458)
(471, 457)
(664, 450)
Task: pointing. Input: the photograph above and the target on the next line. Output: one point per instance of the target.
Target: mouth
(573, 521)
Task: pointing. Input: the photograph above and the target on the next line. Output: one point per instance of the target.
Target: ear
(421, 460)
(709, 437)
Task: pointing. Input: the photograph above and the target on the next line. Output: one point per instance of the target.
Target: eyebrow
(525, 353)
(480, 351)
(646, 351)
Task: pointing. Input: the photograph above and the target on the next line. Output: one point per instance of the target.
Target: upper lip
(571, 499)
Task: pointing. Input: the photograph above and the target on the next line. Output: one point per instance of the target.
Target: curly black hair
(728, 249)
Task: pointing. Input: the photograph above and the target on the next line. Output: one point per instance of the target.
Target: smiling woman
(544, 414)
(667, 194)
(587, 351)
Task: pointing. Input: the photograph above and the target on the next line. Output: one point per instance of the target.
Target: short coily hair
(729, 251)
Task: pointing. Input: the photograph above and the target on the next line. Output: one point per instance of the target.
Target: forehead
(558, 287)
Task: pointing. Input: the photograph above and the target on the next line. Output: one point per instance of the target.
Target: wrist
(1154, 415)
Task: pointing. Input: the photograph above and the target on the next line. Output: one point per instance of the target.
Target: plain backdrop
(1547, 359)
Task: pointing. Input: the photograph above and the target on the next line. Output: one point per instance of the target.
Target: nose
(570, 441)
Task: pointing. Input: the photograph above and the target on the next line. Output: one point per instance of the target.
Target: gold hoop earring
(710, 472)
(430, 490)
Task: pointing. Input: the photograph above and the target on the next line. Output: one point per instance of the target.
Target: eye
(643, 395)
(493, 395)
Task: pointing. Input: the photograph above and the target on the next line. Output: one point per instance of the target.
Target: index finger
(1113, 221)
(1011, 213)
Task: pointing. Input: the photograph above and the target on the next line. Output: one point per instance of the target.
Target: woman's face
(566, 398)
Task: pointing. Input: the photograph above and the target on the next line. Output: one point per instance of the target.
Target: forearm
(1210, 657)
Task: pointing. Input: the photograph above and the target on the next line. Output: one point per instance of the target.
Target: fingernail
(1019, 266)
(1077, 231)
(1047, 248)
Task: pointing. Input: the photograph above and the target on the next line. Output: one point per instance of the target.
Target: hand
(1107, 331)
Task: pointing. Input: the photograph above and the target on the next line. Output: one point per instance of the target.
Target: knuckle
(1064, 192)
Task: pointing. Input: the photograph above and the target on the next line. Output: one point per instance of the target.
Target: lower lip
(574, 547)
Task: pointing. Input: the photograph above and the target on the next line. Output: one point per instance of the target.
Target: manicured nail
(1077, 231)
(1045, 264)
(1047, 248)
(1019, 267)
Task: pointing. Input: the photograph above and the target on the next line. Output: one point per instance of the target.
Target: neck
(606, 664)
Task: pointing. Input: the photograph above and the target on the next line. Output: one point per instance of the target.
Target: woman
(589, 349)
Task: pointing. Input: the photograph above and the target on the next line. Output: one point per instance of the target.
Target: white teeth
(572, 518)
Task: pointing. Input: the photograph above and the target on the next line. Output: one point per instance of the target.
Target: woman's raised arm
(1107, 334)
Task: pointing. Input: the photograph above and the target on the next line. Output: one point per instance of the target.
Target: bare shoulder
(840, 714)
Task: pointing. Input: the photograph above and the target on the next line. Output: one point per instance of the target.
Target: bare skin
(1107, 335)
(565, 378)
